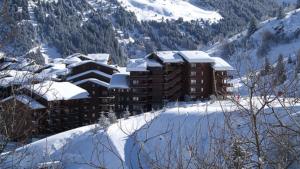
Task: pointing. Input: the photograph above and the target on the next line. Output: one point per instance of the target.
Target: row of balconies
(172, 90)
(173, 75)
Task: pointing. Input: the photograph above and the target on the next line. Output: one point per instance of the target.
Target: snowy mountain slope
(95, 26)
(281, 36)
(174, 133)
(168, 9)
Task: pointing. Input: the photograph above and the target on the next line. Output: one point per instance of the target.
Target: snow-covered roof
(91, 61)
(101, 57)
(123, 70)
(74, 55)
(72, 60)
(119, 81)
(169, 56)
(88, 72)
(51, 91)
(53, 72)
(221, 65)
(137, 65)
(141, 64)
(153, 63)
(196, 56)
(16, 80)
(93, 80)
(14, 73)
(21, 64)
(30, 102)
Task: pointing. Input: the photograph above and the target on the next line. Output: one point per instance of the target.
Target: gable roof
(137, 65)
(196, 56)
(93, 80)
(26, 100)
(94, 62)
(51, 91)
(221, 65)
(101, 57)
(169, 56)
(119, 81)
(88, 72)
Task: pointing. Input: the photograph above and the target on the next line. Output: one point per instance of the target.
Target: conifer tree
(126, 114)
(103, 122)
(280, 71)
(298, 4)
(280, 13)
(252, 28)
(267, 67)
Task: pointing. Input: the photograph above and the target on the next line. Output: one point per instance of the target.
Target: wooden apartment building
(167, 76)
(93, 87)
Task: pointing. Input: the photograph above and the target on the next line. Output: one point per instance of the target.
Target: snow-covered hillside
(172, 133)
(168, 9)
(283, 36)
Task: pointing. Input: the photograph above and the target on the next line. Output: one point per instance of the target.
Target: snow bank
(148, 136)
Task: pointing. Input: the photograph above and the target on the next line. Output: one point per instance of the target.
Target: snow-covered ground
(46, 50)
(168, 9)
(139, 138)
(245, 58)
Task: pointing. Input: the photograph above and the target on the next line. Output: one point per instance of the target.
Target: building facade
(168, 76)
(93, 88)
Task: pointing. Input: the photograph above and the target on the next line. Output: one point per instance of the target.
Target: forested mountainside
(271, 47)
(58, 28)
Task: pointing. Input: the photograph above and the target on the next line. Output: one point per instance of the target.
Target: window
(66, 110)
(202, 81)
(135, 98)
(135, 82)
(137, 107)
(202, 73)
(193, 82)
(193, 73)
(105, 100)
(202, 89)
(193, 65)
(193, 89)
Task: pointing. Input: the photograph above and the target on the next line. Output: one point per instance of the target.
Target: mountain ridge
(94, 26)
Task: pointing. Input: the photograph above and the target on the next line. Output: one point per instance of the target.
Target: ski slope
(168, 9)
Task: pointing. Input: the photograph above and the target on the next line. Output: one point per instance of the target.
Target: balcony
(225, 85)
(172, 83)
(219, 76)
(172, 91)
(172, 75)
(140, 85)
